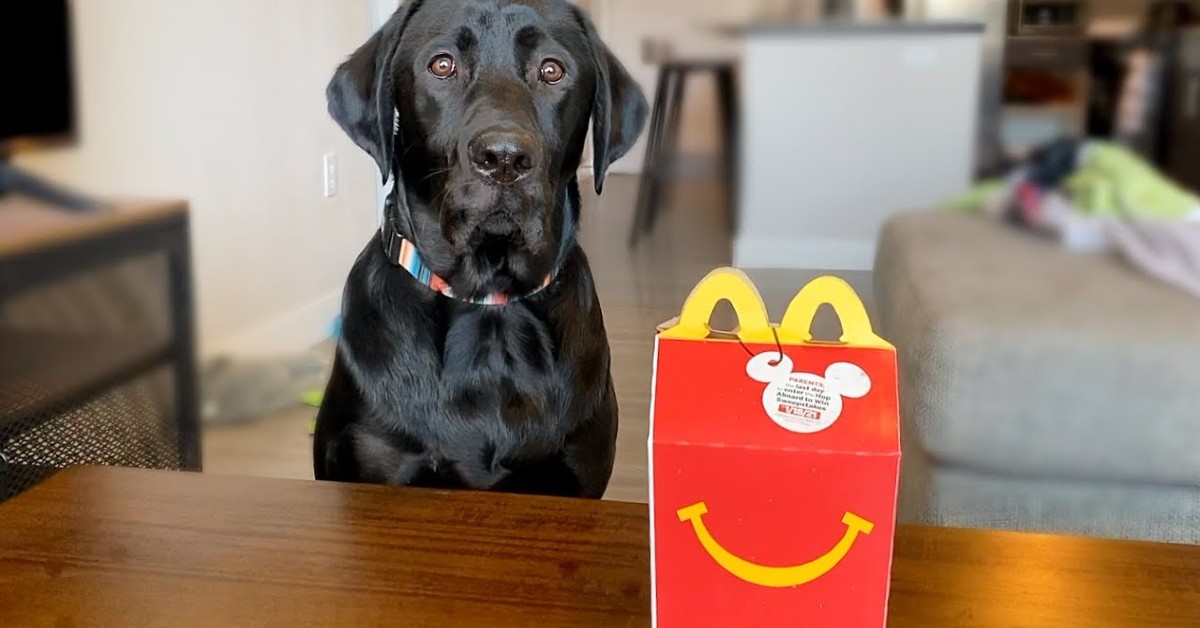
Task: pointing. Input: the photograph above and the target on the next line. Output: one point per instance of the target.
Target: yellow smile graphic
(778, 577)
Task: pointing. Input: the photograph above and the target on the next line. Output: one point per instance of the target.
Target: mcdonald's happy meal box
(774, 462)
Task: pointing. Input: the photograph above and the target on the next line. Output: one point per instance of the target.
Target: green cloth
(1111, 182)
(973, 199)
(1114, 182)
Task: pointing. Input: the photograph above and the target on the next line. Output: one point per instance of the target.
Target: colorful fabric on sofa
(1097, 196)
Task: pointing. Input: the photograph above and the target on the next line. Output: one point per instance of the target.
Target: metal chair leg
(650, 165)
(668, 150)
(727, 97)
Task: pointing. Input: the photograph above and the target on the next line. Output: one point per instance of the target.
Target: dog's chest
(494, 381)
(500, 364)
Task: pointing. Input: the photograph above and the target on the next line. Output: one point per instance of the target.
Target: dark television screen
(36, 83)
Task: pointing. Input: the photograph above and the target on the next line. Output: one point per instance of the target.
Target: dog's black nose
(502, 157)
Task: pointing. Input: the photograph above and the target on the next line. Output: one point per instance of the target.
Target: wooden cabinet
(1181, 134)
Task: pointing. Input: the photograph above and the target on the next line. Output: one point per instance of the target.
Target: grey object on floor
(1040, 389)
(240, 390)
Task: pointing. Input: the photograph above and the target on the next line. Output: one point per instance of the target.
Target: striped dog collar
(401, 252)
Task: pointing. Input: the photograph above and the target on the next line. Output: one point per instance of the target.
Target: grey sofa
(1040, 389)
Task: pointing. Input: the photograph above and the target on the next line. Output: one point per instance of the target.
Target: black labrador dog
(473, 351)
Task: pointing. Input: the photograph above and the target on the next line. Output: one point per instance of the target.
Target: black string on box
(778, 347)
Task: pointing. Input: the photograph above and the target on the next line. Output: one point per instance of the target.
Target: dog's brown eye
(552, 71)
(442, 66)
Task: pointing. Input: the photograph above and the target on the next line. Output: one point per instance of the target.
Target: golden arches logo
(777, 577)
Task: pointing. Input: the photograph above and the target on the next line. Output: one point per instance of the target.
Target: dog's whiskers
(434, 173)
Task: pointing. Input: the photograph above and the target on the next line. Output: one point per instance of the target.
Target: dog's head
(480, 109)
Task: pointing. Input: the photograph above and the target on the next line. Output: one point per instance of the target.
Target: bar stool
(661, 161)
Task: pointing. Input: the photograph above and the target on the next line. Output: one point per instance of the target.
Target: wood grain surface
(27, 224)
(124, 548)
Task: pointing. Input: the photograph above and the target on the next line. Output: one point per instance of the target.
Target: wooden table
(114, 547)
(47, 373)
(28, 225)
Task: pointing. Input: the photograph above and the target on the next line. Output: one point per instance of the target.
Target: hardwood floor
(638, 289)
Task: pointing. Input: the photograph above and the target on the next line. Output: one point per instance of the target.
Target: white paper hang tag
(805, 403)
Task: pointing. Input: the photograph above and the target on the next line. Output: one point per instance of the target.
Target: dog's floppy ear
(361, 95)
(619, 111)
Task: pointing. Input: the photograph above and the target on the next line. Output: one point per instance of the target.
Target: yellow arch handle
(856, 326)
(729, 284)
(776, 577)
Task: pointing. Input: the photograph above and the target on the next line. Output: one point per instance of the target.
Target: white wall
(222, 102)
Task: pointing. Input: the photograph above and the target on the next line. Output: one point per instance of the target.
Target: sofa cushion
(962, 498)
(1021, 358)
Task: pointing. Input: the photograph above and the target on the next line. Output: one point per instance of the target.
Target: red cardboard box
(772, 481)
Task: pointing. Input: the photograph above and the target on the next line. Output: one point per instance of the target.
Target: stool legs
(650, 161)
(727, 100)
(663, 142)
(668, 147)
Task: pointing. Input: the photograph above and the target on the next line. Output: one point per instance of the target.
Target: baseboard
(813, 253)
(626, 166)
(291, 333)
